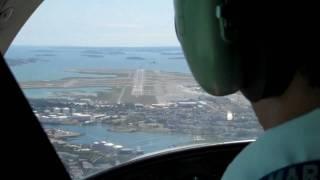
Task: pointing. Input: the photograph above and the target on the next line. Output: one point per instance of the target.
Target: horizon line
(82, 46)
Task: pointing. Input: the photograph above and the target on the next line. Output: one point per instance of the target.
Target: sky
(100, 23)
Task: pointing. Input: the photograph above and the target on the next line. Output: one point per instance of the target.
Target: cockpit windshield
(109, 82)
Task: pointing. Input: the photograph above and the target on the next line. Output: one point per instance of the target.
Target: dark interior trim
(27, 149)
(206, 161)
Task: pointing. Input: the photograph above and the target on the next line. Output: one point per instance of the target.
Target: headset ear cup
(178, 33)
(176, 30)
(214, 63)
(228, 49)
(254, 74)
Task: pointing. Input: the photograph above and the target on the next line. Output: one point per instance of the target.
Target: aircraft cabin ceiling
(13, 15)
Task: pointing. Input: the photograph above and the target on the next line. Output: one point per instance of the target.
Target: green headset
(223, 52)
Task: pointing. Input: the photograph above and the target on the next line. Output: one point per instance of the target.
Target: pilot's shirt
(288, 151)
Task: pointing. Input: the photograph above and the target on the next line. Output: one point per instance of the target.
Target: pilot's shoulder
(291, 143)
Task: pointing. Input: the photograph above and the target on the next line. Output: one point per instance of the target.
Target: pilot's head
(266, 52)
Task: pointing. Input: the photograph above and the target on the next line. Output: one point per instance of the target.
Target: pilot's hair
(311, 72)
(287, 37)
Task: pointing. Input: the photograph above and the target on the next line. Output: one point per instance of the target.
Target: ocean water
(52, 63)
(147, 141)
(51, 92)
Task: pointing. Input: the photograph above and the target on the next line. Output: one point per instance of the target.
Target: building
(139, 105)
(56, 110)
(66, 110)
(81, 117)
(187, 104)
(125, 151)
(159, 105)
(99, 117)
(109, 146)
(117, 147)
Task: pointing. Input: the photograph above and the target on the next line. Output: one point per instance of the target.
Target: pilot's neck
(298, 99)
